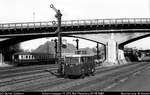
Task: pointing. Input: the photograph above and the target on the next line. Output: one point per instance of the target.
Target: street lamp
(58, 32)
(77, 44)
(33, 16)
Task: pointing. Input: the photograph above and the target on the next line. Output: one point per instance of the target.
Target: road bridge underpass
(15, 40)
(114, 33)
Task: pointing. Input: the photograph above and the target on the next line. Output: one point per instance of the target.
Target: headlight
(71, 65)
(66, 63)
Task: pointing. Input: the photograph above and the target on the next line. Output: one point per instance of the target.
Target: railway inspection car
(79, 65)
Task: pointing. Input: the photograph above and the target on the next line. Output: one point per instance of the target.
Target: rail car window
(15, 57)
(72, 60)
(33, 57)
(84, 59)
(24, 57)
(75, 60)
(19, 57)
(39, 57)
(89, 59)
(42, 57)
(67, 59)
(30, 56)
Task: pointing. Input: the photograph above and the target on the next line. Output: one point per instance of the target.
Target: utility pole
(33, 16)
(77, 44)
(77, 41)
(58, 32)
(48, 47)
(97, 50)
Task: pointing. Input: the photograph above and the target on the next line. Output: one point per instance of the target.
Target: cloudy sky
(39, 10)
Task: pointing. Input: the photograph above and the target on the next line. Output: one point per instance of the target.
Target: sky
(68, 40)
(39, 10)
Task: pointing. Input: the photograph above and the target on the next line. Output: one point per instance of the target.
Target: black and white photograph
(75, 46)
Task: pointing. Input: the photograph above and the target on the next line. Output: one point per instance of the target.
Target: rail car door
(72, 66)
(79, 65)
(88, 66)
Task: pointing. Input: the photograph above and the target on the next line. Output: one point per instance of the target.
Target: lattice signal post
(58, 32)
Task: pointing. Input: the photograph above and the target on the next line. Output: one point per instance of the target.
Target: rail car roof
(79, 55)
(29, 53)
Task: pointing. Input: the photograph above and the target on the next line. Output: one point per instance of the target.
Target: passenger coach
(33, 58)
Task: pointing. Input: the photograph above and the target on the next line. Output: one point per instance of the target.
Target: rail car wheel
(83, 74)
(65, 76)
(93, 72)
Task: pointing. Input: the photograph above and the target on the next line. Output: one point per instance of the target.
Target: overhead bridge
(125, 25)
(114, 33)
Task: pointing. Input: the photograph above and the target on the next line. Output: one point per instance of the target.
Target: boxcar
(79, 65)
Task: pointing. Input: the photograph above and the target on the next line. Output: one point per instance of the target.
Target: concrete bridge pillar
(121, 57)
(1, 59)
(114, 55)
(111, 53)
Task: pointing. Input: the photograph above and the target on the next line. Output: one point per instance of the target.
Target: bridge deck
(75, 25)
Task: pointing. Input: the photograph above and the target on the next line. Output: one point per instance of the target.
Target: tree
(9, 51)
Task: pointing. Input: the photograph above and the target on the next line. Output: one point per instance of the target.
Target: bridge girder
(126, 30)
(102, 38)
(14, 40)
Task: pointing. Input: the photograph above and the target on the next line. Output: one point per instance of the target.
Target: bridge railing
(75, 23)
(25, 25)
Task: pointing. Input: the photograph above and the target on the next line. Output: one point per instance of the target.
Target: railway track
(44, 81)
(110, 78)
(17, 75)
(97, 82)
(11, 72)
(81, 83)
(24, 68)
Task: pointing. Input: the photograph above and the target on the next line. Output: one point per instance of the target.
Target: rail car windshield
(72, 60)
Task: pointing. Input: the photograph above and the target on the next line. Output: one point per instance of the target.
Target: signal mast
(58, 32)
